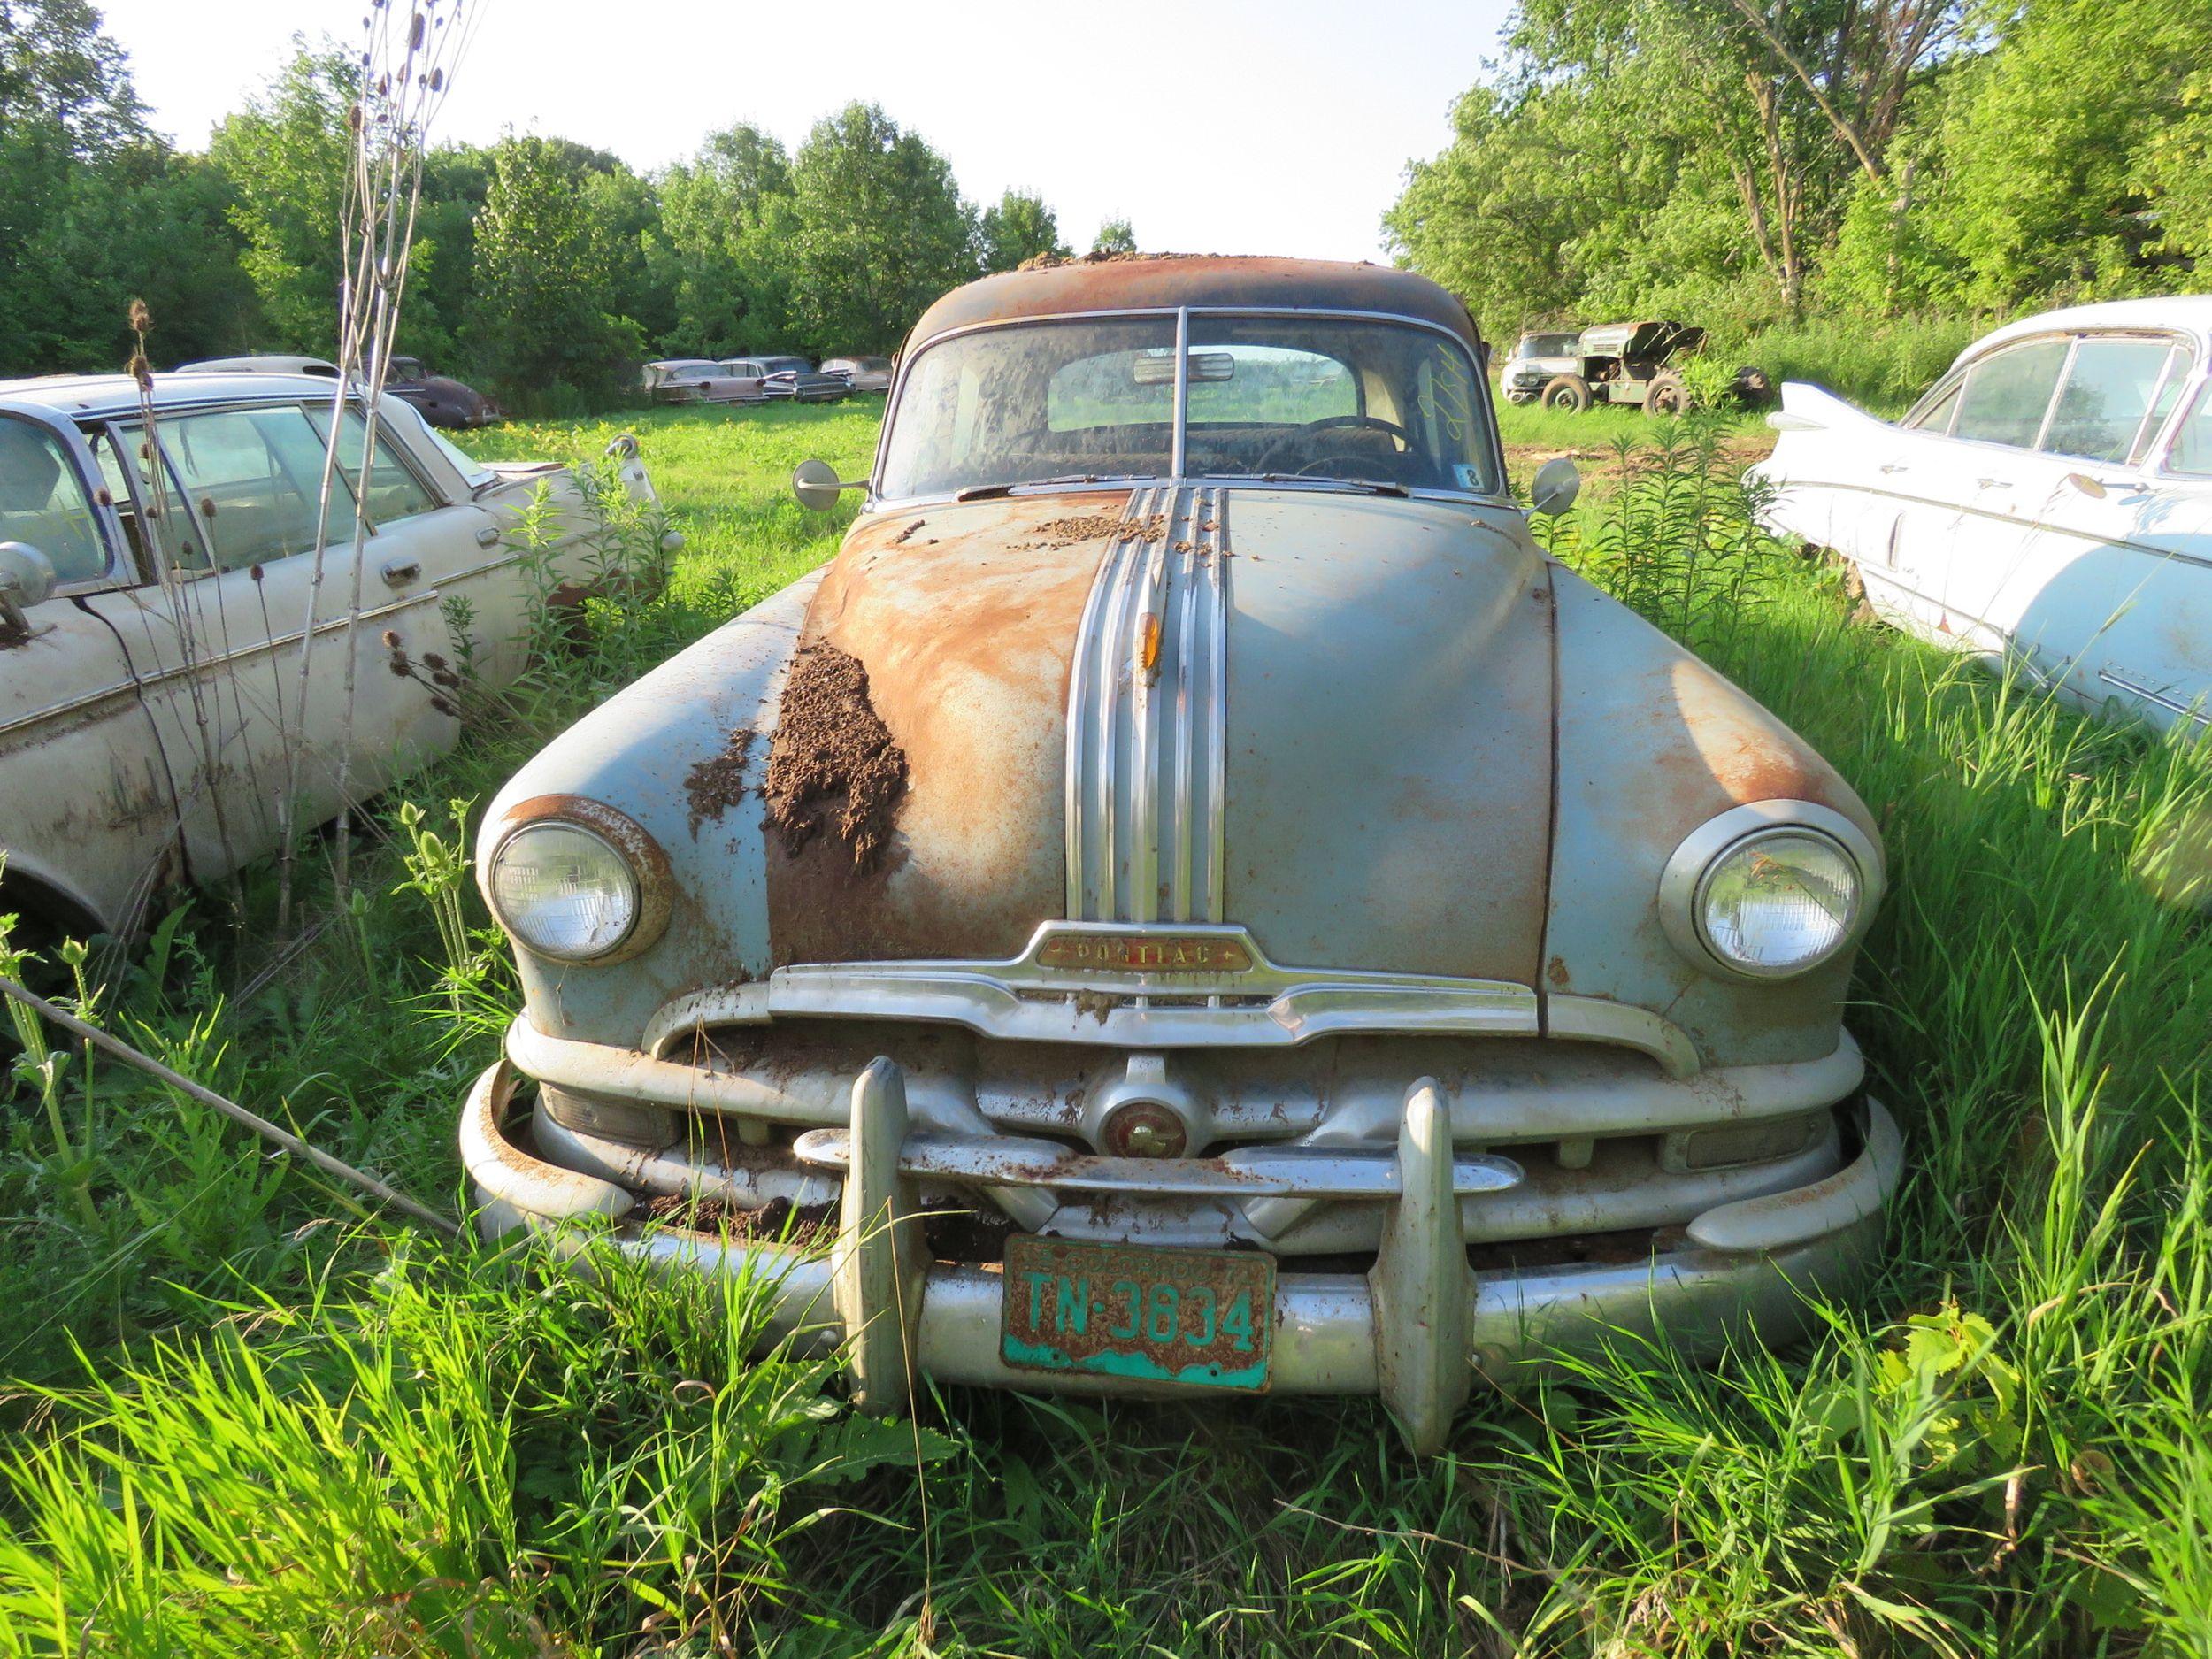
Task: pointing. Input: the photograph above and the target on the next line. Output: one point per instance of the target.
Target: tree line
(542, 268)
(1752, 163)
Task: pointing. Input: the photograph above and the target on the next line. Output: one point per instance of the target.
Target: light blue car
(1191, 899)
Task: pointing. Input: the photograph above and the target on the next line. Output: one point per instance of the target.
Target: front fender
(637, 753)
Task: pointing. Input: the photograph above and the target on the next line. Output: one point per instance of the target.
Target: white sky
(1232, 127)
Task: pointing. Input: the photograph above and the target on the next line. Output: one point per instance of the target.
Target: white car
(2046, 506)
(150, 633)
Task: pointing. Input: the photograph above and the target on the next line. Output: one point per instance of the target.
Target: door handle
(489, 536)
(399, 573)
(1893, 466)
(1992, 483)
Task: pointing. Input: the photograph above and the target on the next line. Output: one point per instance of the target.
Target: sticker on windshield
(1470, 478)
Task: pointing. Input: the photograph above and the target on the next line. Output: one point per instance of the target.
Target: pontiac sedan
(1191, 899)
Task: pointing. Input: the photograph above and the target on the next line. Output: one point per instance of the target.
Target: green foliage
(1755, 165)
(726, 223)
(541, 323)
(287, 155)
(1114, 236)
(879, 231)
(1020, 227)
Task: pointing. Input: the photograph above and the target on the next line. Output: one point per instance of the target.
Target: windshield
(784, 366)
(1546, 346)
(1272, 395)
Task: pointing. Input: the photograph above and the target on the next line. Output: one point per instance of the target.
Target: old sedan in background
(696, 380)
(795, 378)
(863, 374)
(1191, 899)
(442, 400)
(2047, 506)
(157, 590)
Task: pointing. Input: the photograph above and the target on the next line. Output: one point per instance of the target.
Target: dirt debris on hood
(1099, 527)
(832, 764)
(717, 783)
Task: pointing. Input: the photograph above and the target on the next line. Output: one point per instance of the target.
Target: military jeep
(1641, 362)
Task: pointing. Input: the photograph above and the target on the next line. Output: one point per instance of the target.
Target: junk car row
(1191, 899)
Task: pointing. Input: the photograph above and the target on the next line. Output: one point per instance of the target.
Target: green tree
(879, 231)
(1115, 236)
(542, 325)
(722, 244)
(1020, 227)
(2053, 148)
(96, 211)
(287, 155)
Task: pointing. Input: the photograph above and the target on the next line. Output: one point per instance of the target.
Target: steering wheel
(1331, 423)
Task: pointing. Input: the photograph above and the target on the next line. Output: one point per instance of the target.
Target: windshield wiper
(1373, 486)
(985, 492)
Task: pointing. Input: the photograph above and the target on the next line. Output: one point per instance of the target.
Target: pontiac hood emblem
(1145, 953)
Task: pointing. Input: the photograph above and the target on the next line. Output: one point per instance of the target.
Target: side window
(2006, 396)
(2105, 396)
(1936, 416)
(254, 479)
(127, 469)
(2179, 368)
(2192, 444)
(43, 502)
(394, 492)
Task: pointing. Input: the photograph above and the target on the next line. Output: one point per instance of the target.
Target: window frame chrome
(2162, 439)
(1494, 445)
(119, 571)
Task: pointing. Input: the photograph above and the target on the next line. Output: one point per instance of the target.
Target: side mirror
(816, 485)
(26, 576)
(1557, 484)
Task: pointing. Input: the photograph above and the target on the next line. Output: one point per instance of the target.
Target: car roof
(2184, 313)
(82, 396)
(262, 362)
(685, 362)
(1167, 281)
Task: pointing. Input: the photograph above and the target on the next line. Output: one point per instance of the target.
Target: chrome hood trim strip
(1147, 747)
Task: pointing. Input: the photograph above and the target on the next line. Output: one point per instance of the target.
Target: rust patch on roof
(832, 764)
(717, 783)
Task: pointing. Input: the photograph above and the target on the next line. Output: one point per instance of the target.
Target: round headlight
(1778, 902)
(564, 891)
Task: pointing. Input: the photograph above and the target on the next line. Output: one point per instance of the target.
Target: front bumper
(1415, 1329)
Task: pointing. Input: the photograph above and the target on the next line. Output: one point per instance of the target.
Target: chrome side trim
(204, 665)
(2188, 711)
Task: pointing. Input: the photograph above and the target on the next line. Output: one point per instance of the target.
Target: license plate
(1193, 1316)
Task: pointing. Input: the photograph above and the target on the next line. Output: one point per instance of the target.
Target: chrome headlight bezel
(1684, 885)
(633, 852)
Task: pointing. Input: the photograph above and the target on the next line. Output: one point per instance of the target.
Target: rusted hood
(1324, 717)
(963, 621)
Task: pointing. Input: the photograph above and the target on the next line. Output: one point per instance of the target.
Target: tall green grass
(2000, 1449)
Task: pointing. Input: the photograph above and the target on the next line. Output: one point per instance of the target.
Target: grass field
(249, 1423)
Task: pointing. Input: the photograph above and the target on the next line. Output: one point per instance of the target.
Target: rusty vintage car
(1191, 898)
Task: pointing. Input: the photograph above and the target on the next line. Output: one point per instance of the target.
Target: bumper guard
(1415, 1329)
